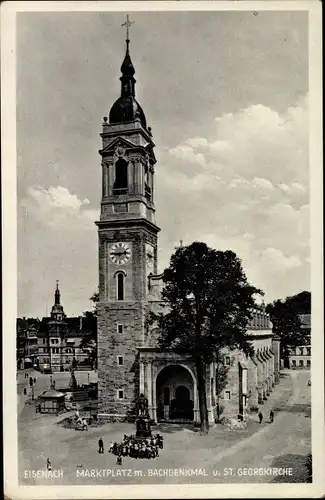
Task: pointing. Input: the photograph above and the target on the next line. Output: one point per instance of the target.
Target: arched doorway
(175, 394)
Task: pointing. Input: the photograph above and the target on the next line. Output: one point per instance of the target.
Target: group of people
(80, 422)
(134, 447)
(260, 416)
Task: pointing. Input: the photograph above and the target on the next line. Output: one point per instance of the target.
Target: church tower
(127, 238)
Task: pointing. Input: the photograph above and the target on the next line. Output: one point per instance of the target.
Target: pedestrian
(271, 416)
(260, 416)
(25, 391)
(48, 464)
(100, 445)
(119, 460)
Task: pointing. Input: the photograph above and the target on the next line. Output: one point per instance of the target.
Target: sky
(226, 95)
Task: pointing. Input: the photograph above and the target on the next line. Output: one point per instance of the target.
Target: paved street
(285, 443)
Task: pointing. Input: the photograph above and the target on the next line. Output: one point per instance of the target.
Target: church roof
(126, 109)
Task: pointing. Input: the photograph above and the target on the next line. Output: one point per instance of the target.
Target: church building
(129, 361)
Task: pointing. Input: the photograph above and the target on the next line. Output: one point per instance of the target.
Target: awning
(28, 360)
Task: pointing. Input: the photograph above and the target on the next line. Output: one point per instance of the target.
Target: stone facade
(127, 238)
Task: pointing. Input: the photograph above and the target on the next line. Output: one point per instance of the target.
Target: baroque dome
(126, 109)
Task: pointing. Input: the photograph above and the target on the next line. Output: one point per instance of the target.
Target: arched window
(120, 277)
(121, 176)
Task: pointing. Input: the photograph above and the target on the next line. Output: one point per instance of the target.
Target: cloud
(59, 209)
(187, 153)
(248, 191)
(280, 262)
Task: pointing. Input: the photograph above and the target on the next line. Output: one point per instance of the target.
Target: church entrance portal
(175, 394)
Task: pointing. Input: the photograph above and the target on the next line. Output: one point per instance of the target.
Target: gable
(115, 143)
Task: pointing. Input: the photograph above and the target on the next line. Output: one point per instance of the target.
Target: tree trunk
(200, 366)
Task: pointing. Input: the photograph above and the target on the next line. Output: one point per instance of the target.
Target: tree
(284, 315)
(89, 325)
(300, 303)
(209, 304)
(94, 298)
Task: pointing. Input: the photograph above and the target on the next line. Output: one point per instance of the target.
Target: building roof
(76, 326)
(52, 393)
(26, 323)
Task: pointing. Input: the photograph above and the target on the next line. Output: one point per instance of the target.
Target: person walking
(271, 416)
(260, 416)
(100, 445)
(48, 464)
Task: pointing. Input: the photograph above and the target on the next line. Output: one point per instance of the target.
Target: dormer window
(121, 177)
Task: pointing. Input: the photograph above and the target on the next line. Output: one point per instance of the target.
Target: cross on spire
(127, 24)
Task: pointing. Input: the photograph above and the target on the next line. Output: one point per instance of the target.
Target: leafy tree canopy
(284, 315)
(209, 302)
(300, 303)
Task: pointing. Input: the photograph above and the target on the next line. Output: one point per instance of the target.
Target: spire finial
(57, 294)
(127, 24)
(127, 68)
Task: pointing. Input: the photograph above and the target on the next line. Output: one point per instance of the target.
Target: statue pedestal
(143, 429)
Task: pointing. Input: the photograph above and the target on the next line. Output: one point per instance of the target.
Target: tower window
(120, 394)
(227, 360)
(121, 176)
(119, 328)
(120, 285)
(120, 360)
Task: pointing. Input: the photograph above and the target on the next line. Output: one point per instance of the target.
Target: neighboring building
(26, 342)
(60, 339)
(56, 343)
(129, 361)
(300, 357)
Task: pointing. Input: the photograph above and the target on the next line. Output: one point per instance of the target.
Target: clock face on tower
(120, 253)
